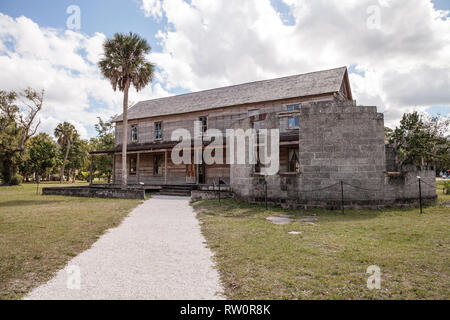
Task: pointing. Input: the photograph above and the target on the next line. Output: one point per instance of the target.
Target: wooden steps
(177, 190)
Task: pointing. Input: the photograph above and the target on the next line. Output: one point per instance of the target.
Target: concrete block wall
(338, 141)
(404, 187)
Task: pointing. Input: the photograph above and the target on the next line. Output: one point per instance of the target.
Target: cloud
(152, 8)
(400, 65)
(63, 63)
(399, 48)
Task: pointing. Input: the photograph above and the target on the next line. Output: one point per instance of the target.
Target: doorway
(202, 173)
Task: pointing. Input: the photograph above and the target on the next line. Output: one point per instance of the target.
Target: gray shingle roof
(308, 84)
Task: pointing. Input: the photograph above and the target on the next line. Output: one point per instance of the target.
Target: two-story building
(151, 123)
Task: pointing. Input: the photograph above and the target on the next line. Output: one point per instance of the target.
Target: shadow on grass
(15, 203)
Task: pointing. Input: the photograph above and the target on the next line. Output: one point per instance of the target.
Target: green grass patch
(40, 234)
(440, 192)
(328, 260)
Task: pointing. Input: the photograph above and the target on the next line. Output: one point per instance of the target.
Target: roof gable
(309, 84)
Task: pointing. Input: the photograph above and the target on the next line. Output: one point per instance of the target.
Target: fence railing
(421, 183)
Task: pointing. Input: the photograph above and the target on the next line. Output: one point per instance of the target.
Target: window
(158, 130)
(294, 164)
(133, 165)
(253, 113)
(134, 133)
(293, 121)
(204, 121)
(157, 164)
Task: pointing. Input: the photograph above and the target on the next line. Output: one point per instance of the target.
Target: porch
(150, 167)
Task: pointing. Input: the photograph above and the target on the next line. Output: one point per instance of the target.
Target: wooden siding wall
(221, 119)
(218, 171)
(175, 173)
(284, 159)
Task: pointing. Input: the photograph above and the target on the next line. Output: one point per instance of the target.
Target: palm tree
(124, 64)
(66, 134)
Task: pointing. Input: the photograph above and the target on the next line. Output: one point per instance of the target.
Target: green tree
(421, 141)
(42, 155)
(18, 113)
(104, 141)
(439, 144)
(66, 134)
(387, 134)
(25, 167)
(124, 64)
(78, 158)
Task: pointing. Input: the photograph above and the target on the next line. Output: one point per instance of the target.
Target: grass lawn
(329, 259)
(441, 196)
(40, 234)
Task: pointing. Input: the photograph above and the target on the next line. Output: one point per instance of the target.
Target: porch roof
(284, 137)
(137, 147)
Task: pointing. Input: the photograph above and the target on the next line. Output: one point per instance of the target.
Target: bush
(447, 187)
(16, 180)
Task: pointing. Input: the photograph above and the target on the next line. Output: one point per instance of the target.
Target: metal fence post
(219, 191)
(342, 196)
(420, 194)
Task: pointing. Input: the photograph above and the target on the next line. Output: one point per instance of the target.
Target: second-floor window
(134, 133)
(158, 130)
(204, 123)
(293, 121)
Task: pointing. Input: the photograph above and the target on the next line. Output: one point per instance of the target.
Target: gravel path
(157, 252)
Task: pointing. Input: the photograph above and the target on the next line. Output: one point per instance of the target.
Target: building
(327, 143)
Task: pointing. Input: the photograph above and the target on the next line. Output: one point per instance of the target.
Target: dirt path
(157, 252)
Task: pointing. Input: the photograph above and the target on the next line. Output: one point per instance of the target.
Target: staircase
(177, 190)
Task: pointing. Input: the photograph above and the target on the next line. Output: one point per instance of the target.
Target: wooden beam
(91, 167)
(146, 151)
(138, 164)
(113, 180)
(165, 167)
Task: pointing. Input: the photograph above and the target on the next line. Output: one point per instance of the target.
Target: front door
(191, 176)
(202, 173)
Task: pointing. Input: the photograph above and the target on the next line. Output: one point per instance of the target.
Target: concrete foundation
(95, 192)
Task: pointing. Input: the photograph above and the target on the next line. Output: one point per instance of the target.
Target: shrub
(447, 187)
(16, 180)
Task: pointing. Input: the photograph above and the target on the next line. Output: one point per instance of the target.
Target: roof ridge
(240, 84)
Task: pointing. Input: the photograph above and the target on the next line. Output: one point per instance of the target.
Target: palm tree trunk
(64, 162)
(125, 136)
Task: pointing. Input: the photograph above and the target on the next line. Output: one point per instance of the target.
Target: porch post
(138, 163)
(165, 167)
(91, 170)
(113, 178)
